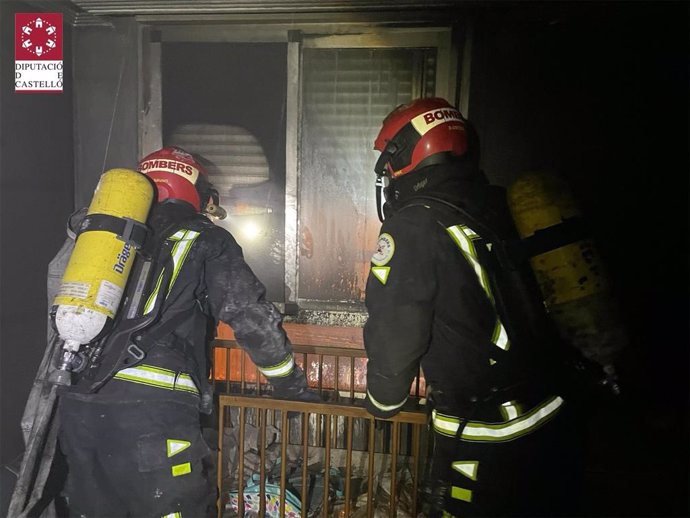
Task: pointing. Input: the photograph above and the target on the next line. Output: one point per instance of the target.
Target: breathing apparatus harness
(100, 359)
(127, 344)
(527, 377)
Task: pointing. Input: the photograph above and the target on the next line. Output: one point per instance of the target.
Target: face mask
(210, 200)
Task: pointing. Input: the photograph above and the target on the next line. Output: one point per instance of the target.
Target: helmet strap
(385, 157)
(404, 143)
(380, 194)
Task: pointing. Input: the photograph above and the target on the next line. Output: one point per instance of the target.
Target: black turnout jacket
(438, 297)
(210, 282)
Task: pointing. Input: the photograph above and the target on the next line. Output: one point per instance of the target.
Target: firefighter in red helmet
(130, 425)
(445, 292)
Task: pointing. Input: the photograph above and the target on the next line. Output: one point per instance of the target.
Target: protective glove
(294, 387)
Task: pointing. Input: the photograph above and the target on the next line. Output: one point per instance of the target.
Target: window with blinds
(226, 103)
(346, 93)
(230, 103)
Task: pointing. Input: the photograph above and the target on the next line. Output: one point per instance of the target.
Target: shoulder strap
(515, 290)
(508, 252)
(123, 347)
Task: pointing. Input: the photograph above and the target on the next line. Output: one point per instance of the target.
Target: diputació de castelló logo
(38, 64)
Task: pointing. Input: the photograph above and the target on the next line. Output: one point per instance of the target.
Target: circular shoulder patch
(385, 248)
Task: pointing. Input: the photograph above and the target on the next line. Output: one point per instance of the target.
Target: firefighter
(130, 425)
(446, 292)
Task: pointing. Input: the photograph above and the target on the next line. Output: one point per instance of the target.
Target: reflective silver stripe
(381, 406)
(281, 370)
(445, 424)
(185, 383)
(468, 468)
(497, 432)
(180, 251)
(185, 240)
(510, 410)
(152, 298)
(463, 236)
(172, 515)
(148, 375)
(500, 335)
(158, 377)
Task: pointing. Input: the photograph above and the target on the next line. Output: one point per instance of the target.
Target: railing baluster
(219, 476)
(416, 432)
(395, 447)
(335, 427)
(242, 372)
(348, 464)
(284, 434)
(240, 474)
(262, 456)
(305, 462)
(372, 458)
(337, 377)
(327, 465)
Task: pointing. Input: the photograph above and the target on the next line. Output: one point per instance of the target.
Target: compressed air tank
(570, 274)
(96, 275)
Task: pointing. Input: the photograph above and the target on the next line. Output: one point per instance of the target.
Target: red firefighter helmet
(175, 173)
(413, 132)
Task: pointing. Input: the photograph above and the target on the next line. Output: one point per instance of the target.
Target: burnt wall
(105, 101)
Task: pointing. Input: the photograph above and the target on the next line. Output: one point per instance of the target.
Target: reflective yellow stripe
(463, 236)
(280, 370)
(172, 515)
(477, 431)
(157, 377)
(181, 469)
(185, 240)
(381, 406)
(460, 493)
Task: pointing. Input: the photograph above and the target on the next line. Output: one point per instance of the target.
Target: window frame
(153, 32)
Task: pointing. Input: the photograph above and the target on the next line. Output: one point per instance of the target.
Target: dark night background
(596, 91)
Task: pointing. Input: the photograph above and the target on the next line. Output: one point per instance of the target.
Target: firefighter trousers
(139, 454)
(538, 474)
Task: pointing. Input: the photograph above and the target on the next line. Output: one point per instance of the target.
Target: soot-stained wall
(36, 197)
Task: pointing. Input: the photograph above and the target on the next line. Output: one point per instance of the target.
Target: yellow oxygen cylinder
(96, 275)
(571, 276)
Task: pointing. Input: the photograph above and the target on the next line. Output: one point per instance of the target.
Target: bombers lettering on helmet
(169, 166)
(414, 132)
(429, 120)
(175, 173)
